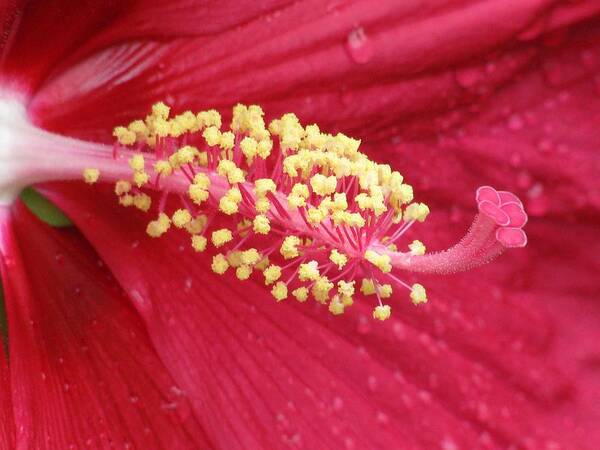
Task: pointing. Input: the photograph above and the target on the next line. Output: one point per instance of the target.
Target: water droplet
(338, 404)
(538, 203)
(349, 443)
(133, 399)
(545, 145)
(364, 325)
(372, 383)
(468, 77)
(359, 47)
(524, 180)
(382, 418)
(59, 258)
(515, 122)
(66, 387)
(399, 331)
(515, 160)
(448, 444)
(589, 59)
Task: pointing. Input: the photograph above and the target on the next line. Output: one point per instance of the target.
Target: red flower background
(454, 94)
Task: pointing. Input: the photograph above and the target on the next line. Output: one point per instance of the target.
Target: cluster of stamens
(305, 208)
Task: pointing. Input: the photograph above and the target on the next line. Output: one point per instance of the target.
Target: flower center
(305, 209)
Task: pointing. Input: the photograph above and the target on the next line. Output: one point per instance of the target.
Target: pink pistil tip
(498, 226)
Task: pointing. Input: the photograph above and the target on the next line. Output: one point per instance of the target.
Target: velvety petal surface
(7, 423)
(371, 63)
(471, 370)
(82, 370)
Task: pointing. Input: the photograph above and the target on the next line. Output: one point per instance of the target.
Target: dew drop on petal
(359, 47)
(515, 122)
(468, 77)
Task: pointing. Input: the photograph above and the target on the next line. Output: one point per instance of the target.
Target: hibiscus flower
(452, 94)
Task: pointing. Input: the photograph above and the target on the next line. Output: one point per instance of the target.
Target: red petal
(297, 58)
(7, 422)
(82, 370)
(454, 373)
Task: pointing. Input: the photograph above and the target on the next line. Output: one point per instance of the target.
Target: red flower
(452, 94)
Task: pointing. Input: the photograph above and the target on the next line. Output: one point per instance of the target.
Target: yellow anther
(163, 168)
(122, 187)
(336, 306)
(250, 256)
(416, 248)
(142, 202)
(197, 193)
(124, 136)
(338, 258)
(280, 291)
(197, 224)
(136, 162)
(289, 247)
(301, 190)
(262, 205)
(235, 258)
(221, 237)
(295, 201)
(181, 218)
(126, 200)
(264, 185)
(382, 262)
(323, 185)
(262, 264)
(315, 216)
(249, 148)
(227, 140)
(212, 136)
(416, 211)
(140, 178)
(382, 312)
(345, 288)
(90, 175)
(243, 272)
(199, 243)
(158, 227)
(202, 180)
(309, 271)
(340, 202)
(405, 193)
(160, 110)
(385, 290)
(161, 127)
(264, 148)
(261, 224)
(210, 118)
(139, 128)
(418, 294)
(321, 288)
(236, 176)
(186, 154)
(301, 294)
(272, 274)
(227, 205)
(219, 264)
(367, 287)
(225, 166)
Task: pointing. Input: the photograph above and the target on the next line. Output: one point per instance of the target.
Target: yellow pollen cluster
(310, 212)
(91, 176)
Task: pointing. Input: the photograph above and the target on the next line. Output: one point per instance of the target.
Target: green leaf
(44, 209)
